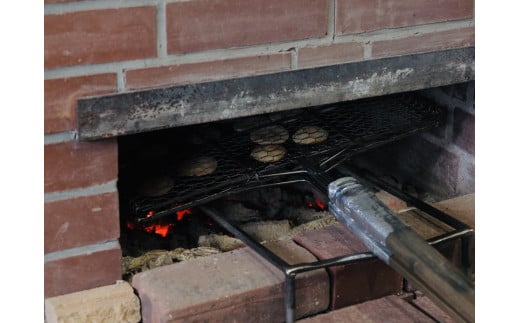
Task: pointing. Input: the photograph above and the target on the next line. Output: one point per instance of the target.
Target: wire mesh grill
(244, 157)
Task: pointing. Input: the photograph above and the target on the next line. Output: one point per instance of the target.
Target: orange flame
(182, 213)
(320, 204)
(317, 204)
(161, 229)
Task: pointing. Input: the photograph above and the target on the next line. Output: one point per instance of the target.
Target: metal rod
(250, 242)
(290, 297)
(290, 271)
(400, 247)
(364, 176)
(336, 261)
(468, 262)
(450, 236)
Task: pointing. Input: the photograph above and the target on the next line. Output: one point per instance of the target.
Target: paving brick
(207, 71)
(85, 271)
(99, 36)
(466, 184)
(75, 164)
(329, 54)
(236, 286)
(112, 303)
(210, 24)
(81, 221)
(60, 1)
(61, 95)
(390, 309)
(428, 227)
(353, 283)
(395, 204)
(440, 40)
(461, 207)
(427, 306)
(356, 16)
(419, 163)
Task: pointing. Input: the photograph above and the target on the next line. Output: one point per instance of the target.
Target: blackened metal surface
(352, 127)
(145, 111)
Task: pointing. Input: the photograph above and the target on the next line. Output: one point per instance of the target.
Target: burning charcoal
(267, 230)
(309, 135)
(325, 221)
(302, 215)
(268, 153)
(267, 202)
(238, 213)
(198, 166)
(270, 135)
(222, 242)
(181, 254)
(151, 259)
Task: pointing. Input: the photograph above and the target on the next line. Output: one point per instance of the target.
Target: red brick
(99, 36)
(207, 71)
(357, 16)
(426, 305)
(61, 96)
(424, 164)
(353, 283)
(390, 309)
(466, 183)
(464, 130)
(329, 54)
(236, 286)
(60, 1)
(461, 208)
(209, 24)
(86, 271)
(74, 164)
(81, 221)
(425, 42)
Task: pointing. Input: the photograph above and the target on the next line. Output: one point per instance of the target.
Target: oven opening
(165, 175)
(200, 190)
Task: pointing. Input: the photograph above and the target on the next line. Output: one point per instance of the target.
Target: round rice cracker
(199, 166)
(155, 185)
(271, 135)
(310, 135)
(268, 153)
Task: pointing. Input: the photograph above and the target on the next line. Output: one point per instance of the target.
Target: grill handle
(401, 248)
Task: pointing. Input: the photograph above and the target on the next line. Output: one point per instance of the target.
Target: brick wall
(99, 47)
(440, 162)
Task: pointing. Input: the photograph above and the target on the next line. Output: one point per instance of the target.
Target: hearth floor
(410, 307)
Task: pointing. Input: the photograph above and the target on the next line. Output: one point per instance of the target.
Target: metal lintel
(142, 111)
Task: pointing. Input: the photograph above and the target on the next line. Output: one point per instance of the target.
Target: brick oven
(105, 49)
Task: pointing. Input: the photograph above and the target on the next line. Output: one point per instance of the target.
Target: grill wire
(351, 127)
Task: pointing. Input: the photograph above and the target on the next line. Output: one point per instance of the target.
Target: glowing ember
(182, 213)
(316, 204)
(161, 229)
(320, 204)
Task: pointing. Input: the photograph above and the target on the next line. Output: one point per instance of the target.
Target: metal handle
(400, 247)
